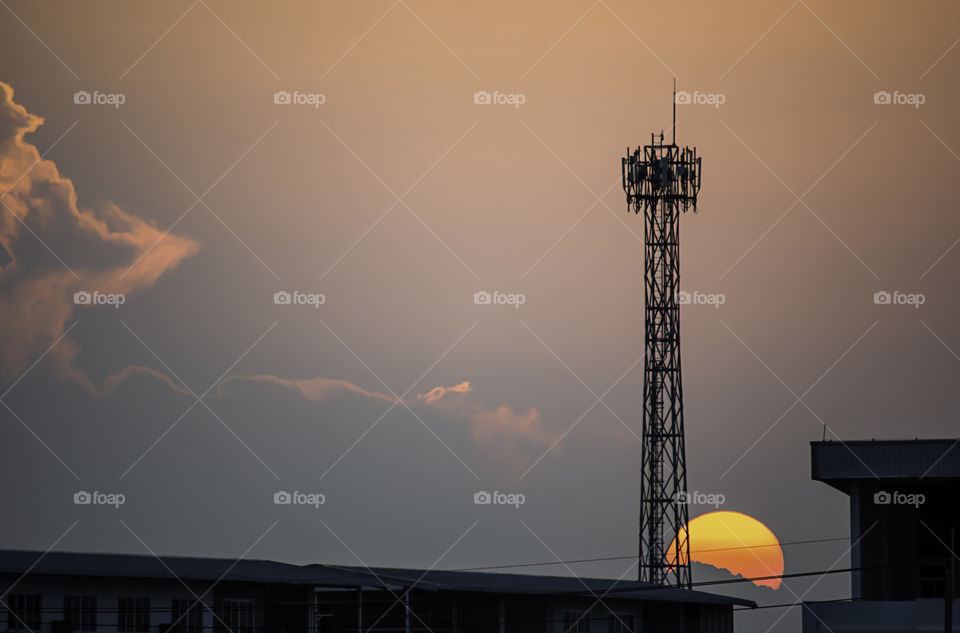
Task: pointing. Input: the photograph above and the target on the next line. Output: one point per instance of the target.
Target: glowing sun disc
(735, 542)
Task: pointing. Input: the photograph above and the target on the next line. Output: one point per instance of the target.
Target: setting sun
(737, 543)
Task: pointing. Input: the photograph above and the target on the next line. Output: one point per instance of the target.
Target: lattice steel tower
(661, 181)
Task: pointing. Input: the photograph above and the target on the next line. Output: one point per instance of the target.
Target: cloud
(311, 388)
(436, 394)
(502, 429)
(499, 430)
(116, 378)
(100, 248)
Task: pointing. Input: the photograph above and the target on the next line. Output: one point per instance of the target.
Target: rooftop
(837, 463)
(36, 563)
(537, 584)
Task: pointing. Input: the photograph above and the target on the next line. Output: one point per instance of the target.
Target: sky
(168, 168)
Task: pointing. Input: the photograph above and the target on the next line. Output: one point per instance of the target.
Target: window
(576, 622)
(238, 615)
(186, 616)
(23, 611)
(80, 612)
(324, 623)
(620, 623)
(133, 615)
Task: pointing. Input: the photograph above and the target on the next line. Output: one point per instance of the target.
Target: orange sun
(736, 542)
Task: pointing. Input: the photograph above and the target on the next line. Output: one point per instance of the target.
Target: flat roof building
(60, 592)
(904, 511)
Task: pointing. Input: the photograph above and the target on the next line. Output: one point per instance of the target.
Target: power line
(731, 581)
(804, 602)
(633, 556)
(793, 604)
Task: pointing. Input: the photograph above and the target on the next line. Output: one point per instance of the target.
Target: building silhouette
(60, 592)
(904, 515)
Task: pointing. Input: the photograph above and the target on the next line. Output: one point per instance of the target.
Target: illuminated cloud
(106, 249)
(436, 394)
(310, 388)
(507, 432)
(501, 430)
(116, 378)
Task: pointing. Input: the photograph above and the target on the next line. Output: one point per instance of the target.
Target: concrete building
(904, 510)
(65, 592)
